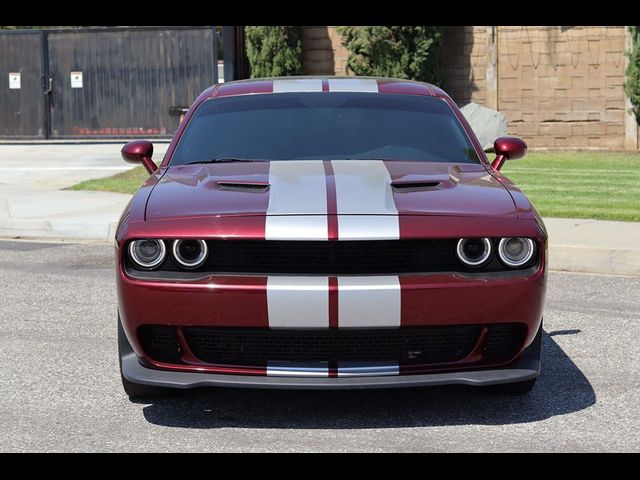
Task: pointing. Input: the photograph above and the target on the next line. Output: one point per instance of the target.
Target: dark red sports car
(328, 233)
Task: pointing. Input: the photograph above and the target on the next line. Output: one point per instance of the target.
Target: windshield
(325, 126)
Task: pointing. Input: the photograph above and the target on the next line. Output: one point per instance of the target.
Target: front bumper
(526, 367)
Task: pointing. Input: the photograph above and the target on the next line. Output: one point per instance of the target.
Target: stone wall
(559, 87)
(465, 64)
(563, 86)
(323, 53)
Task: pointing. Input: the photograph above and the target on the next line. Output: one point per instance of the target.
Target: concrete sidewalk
(33, 205)
(594, 246)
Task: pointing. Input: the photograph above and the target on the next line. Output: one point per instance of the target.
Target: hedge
(274, 51)
(400, 52)
(632, 82)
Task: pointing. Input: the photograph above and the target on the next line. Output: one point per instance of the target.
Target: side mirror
(508, 148)
(140, 151)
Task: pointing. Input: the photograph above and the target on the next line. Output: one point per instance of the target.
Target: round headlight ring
(530, 249)
(135, 254)
(488, 248)
(199, 260)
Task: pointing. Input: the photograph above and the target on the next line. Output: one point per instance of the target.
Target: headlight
(474, 251)
(148, 252)
(516, 252)
(190, 253)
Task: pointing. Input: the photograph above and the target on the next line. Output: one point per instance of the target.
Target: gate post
(630, 124)
(46, 83)
(492, 67)
(228, 52)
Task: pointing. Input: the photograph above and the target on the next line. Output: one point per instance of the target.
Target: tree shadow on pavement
(561, 389)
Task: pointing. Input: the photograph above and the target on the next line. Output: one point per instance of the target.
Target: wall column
(492, 67)
(630, 124)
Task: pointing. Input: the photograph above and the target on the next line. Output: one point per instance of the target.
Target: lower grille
(409, 346)
(406, 346)
(160, 343)
(504, 339)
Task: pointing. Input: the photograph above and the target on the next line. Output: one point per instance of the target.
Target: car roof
(326, 84)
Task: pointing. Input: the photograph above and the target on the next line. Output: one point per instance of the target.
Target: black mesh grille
(406, 345)
(322, 257)
(264, 257)
(504, 339)
(160, 343)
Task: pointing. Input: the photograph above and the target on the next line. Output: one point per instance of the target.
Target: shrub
(401, 52)
(632, 82)
(274, 51)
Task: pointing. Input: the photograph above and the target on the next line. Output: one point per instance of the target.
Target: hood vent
(414, 186)
(255, 187)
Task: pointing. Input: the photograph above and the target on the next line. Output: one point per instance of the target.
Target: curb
(572, 258)
(64, 230)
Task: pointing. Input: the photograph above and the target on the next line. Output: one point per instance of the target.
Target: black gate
(103, 83)
(22, 100)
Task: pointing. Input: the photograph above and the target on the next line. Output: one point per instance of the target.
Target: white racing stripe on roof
(353, 85)
(297, 85)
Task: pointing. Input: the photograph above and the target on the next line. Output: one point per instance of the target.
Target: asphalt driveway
(60, 387)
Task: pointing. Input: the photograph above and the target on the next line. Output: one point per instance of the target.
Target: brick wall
(558, 86)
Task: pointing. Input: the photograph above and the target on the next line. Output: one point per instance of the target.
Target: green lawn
(125, 182)
(599, 185)
(584, 184)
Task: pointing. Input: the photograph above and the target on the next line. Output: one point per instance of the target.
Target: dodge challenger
(328, 233)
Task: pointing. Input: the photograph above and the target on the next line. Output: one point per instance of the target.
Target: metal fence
(102, 83)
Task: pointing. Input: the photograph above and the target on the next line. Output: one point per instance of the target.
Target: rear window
(325, 126)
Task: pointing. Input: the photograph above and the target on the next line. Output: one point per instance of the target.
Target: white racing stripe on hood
(365, 203)
(297, 201)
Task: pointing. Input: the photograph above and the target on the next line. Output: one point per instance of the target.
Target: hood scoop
(414, 186)
(253, 187)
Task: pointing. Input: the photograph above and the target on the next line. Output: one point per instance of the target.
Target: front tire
(137, 390)
(534, 353)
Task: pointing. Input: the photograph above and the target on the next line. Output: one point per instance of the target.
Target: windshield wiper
(223, 160)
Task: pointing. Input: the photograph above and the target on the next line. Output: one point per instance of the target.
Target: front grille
(406, 345)
(330, 258)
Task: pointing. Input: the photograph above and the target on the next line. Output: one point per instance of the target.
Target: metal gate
(22, 102)
(102, 83)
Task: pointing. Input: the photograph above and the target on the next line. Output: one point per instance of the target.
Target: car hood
(344, 187)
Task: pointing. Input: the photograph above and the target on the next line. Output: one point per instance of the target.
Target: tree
(401, 52)
(632, 82)
(274, 51)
